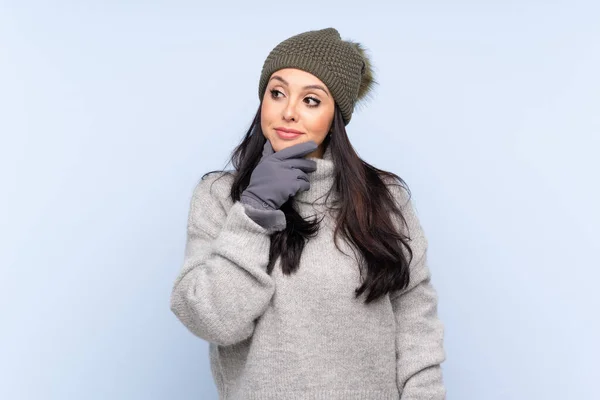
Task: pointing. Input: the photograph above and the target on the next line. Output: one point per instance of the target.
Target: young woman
(305, 267)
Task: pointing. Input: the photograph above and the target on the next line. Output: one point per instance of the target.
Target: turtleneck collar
(321, 181)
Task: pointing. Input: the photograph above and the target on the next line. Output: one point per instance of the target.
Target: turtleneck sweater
(304, 335)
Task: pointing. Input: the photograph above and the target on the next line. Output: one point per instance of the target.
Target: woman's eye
(315, 102)
(310, 101)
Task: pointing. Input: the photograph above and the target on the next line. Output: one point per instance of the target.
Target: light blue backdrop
(111, 111)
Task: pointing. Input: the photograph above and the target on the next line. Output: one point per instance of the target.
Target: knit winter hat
(342, 65)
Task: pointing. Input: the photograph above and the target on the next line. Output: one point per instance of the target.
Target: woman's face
(296, 101)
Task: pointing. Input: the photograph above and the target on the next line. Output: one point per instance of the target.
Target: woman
(305, 268)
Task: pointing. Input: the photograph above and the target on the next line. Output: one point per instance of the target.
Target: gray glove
(279, 176)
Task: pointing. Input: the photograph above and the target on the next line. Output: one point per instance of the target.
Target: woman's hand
(279, 175)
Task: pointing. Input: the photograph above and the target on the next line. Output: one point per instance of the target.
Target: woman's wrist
(254, 201)
(268, 218)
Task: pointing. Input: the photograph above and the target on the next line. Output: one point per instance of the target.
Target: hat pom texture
(367, 81)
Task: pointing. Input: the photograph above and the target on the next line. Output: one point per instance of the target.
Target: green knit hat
(341, 64)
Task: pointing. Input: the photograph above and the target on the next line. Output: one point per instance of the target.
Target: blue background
(111, 111)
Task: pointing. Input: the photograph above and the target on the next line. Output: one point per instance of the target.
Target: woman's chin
(279, 144)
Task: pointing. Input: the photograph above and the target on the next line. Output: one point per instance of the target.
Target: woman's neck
(321, 180)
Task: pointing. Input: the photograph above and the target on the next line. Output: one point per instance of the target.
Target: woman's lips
(286, 135)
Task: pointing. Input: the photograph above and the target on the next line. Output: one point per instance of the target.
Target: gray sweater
(303, 336)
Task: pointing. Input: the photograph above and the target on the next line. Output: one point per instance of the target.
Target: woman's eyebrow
(317, 87)
(305, 87)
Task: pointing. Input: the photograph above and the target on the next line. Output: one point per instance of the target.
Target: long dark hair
(364, 206)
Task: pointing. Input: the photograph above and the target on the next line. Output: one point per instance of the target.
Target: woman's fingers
(297, 150)
(267, 149)
(303, 164)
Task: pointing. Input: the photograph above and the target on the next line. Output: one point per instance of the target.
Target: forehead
(298, 77)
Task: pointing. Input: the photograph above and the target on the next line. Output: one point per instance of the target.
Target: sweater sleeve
(419, 331)
(223, 286)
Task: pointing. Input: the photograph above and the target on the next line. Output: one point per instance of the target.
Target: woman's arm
(223, 286)
(419, 339)
(419, 332)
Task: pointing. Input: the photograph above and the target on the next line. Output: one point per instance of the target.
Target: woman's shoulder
(403, 198)
(397, 188)
(214, 188)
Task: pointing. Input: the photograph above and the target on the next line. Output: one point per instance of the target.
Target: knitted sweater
(304, 335)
